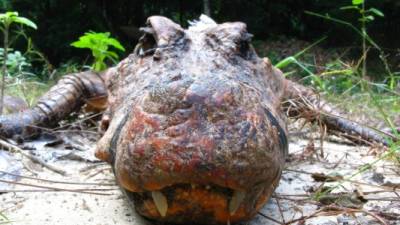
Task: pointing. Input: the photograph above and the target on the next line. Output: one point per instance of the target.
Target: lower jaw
(198, 204)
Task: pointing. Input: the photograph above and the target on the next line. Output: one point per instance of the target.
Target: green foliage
(8, 18)
(338, 78)
(3, 218)
(264, 19)
(292, 59)
(99, 44)
(29, 90)
(310, 76)
(357, 2)
(16, 62)
(365, 16)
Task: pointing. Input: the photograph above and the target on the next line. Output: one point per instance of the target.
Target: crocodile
(194, 122)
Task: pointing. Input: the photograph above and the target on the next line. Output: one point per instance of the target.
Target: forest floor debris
(313, 189)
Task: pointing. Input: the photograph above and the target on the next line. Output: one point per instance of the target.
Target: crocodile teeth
(236, 200)
(160, 201)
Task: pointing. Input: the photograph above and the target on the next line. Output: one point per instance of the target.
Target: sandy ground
(103, 204)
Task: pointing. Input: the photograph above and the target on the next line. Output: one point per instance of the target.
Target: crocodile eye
(231, 39)
(244, 47)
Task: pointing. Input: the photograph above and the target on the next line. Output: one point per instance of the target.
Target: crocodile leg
(68, 95)
(303, 102)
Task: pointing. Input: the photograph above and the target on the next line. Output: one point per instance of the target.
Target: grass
(30, 91)
(31, 88)
(361, 106)
(338, 76)
(3, 219)
(339, 82)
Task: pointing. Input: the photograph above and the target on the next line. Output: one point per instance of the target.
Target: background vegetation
(62, 21)
(282, 30)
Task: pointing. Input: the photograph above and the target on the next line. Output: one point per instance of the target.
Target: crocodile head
(193, 127)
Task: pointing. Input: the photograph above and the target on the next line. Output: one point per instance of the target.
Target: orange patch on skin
(153, 185)
(159, 143)
(103, 155)
(150, 209)
(126, 181)
(137, 123)
(232, 183)
(140, 121)
(177, 130)
(152, 121)
(96, 104)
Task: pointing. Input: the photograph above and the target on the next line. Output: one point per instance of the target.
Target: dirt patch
(88, 194)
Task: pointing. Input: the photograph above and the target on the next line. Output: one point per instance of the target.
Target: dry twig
(34, 159)
(84, 191)
(56, 181)
(338, 210)
(270, 218)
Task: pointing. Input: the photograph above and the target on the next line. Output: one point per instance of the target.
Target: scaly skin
(194, 126)
(70, 94)
(183, 118)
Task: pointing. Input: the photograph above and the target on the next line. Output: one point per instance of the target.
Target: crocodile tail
(70, 93)
(305, 103)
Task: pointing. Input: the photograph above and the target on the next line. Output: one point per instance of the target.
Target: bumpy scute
(204, 111)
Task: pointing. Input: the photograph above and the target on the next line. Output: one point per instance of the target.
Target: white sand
(49, 208)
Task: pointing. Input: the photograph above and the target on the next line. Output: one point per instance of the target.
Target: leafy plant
(16, 62)
(339, 78)
(365, 16)
(314, 79)
(293, 59)
(99, 44)
(6, 20)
